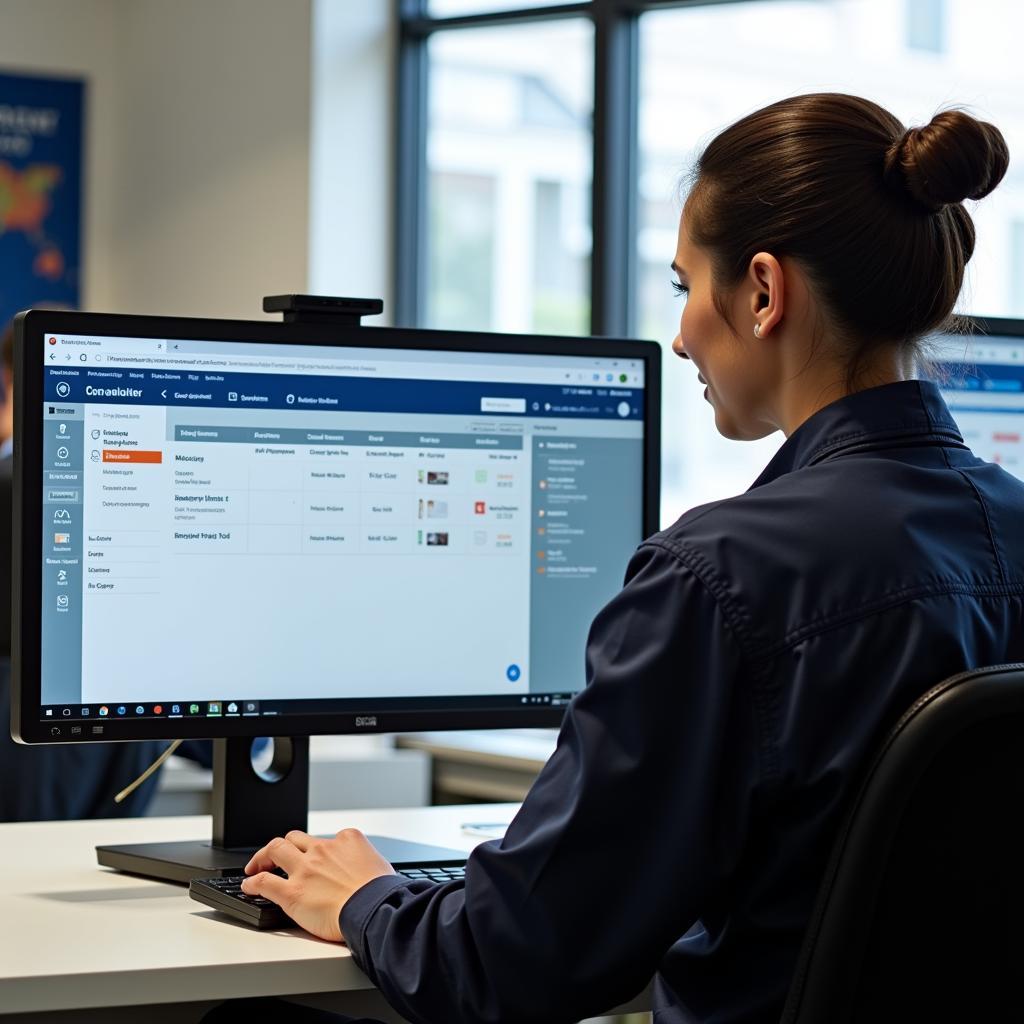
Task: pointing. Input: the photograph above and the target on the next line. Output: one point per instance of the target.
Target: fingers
(271, 887)
(278, 852)
(300, 839)
(351, 835)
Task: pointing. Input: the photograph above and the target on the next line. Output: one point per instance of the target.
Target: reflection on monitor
(982, 381)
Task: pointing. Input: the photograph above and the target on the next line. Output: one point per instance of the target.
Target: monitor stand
(250, 809)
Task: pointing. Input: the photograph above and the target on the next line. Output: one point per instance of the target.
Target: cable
(128, 790)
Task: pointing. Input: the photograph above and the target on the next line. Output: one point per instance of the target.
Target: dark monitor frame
(30, 330)
(988, 327)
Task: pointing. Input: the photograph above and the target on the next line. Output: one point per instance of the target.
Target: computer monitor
(981, 375)
(232, 529)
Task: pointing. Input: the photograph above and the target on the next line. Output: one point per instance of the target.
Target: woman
(761, 644)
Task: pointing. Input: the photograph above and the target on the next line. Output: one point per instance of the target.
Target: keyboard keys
(226, 895)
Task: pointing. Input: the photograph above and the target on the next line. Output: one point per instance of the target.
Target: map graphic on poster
(40, 192)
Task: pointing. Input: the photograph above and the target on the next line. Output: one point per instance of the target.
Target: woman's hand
(322, 875)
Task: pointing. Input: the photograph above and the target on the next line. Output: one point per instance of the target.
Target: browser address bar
(277, 364)
(236, 363)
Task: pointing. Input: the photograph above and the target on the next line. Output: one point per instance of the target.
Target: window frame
(614, 195)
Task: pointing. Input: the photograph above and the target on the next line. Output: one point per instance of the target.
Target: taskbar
(272, 709)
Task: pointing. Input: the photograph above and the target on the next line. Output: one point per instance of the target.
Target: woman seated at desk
(761, 644)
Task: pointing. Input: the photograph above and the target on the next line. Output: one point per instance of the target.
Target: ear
(767, 287)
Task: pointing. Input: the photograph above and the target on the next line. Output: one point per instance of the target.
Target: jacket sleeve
(636, 819)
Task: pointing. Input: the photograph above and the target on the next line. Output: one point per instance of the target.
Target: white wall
(197, 169)
(350, 233)
(213, 154)
(76, 38)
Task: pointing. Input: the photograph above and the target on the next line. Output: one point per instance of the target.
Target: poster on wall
(40, 192)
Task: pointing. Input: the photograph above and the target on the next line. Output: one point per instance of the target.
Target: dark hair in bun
(871, 210)
(952, 158)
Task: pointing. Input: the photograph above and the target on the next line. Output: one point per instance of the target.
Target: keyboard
(225, 895)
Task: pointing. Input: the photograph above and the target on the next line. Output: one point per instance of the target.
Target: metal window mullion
(613, 277)
(410, 148)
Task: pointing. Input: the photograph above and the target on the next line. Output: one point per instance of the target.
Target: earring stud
(757, 330)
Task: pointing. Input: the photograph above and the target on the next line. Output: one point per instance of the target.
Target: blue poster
(40, 192)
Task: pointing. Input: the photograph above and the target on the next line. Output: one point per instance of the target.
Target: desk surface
(75, 935)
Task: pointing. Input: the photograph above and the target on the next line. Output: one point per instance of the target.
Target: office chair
(920, 916)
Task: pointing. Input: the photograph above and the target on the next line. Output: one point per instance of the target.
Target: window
(509, 157)
(513, 86)
(462, 216)
(1016, 275)
(926, 25)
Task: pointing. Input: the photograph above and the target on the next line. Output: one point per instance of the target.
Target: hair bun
(952, 158)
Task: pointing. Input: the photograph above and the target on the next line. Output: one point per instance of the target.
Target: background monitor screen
(982, 380)
(382, 530)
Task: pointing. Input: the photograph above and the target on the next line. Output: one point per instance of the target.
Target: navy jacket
(735, 688)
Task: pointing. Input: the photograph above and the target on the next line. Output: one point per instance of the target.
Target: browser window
(982, 381)
(318, 524)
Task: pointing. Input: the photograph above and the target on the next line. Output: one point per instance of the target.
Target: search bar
(503, 405)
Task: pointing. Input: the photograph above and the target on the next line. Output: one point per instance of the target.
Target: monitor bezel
(30, 329)
(983, 327)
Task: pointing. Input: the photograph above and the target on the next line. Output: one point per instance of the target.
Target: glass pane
(509, 161)
(451, 8)
(703, 68)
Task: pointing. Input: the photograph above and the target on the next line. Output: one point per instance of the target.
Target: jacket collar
(890, 416)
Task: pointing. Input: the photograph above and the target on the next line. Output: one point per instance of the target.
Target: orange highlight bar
(131, 455)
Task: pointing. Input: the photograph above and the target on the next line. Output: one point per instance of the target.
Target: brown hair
(872, 211)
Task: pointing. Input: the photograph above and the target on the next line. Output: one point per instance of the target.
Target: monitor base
(249, 809)
(183, 861)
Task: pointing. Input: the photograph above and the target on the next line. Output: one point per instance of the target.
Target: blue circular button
(513, 673)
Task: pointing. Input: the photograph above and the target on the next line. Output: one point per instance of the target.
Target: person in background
(44, 783)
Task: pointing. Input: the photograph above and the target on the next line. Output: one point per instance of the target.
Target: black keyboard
(225, 894)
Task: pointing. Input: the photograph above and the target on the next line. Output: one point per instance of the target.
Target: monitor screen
(982, 380)
(381, 530)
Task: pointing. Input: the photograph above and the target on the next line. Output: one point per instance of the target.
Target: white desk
(85, 944)
(74, 936)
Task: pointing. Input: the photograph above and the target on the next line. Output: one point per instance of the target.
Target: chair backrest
(920, 916)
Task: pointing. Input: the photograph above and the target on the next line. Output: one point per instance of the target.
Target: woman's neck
(819, 385)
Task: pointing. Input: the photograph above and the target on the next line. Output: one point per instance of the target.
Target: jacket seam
(864, 611)
(765, 702)
(890, 444)
(836, 442)
(924, 405)
(979, 498)
(735, 618)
